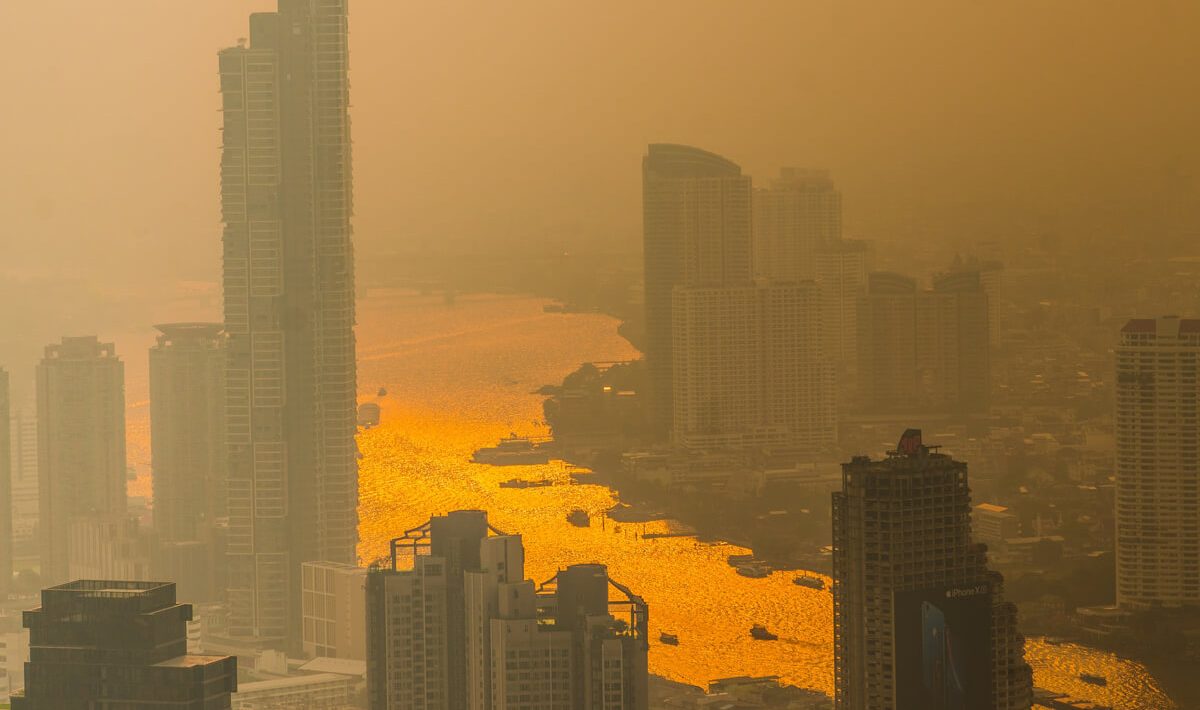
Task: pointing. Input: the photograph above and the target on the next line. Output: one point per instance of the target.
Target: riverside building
(919, 620)
(461, 628)
(288, 287)
(1158, 464)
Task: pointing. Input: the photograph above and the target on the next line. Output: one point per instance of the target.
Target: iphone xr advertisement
(943, 648)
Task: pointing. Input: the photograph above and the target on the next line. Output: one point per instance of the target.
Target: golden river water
(458, 377)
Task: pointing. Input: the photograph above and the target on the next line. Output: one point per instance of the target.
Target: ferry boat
(811, 582)
(1093, 679)
(512, 450)
(760, 633)
(669, 639)
(738, 560)
(579, 518)
(522, 483)
(754, 570)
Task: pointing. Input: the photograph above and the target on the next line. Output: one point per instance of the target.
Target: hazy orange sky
(488, 122)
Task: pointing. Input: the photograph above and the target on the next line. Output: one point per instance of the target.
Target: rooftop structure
(120, 644)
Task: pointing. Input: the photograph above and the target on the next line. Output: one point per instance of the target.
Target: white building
(1158, 463)
(334, 610)
(697, 228)
(994, 523)
(319, 691)
(750, 367)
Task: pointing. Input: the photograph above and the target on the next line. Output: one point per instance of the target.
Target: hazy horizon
(482, 126)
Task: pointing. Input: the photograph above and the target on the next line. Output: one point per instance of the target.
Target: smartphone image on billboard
(942, 660)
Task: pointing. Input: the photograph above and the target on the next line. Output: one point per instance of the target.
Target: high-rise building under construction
(919, 620)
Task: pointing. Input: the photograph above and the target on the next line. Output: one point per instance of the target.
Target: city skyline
(428, 414)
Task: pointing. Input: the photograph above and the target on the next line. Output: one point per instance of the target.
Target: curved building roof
(673, 160)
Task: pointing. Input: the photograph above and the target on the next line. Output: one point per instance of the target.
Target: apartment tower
(923, 350)
(919, 620)
(696, 221)
(1158, 467)
(799, 217)
(289, 311)
(187, 441)
(460, 628)
(81, 446)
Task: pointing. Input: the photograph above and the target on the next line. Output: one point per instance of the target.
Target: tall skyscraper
(919, 620)
(118, 644)
(81, 445)
(1158, 484)
(923, 350)
(462, 629)
(6, 507)
(187, 441)
(796, 219)
(289, 311)
(696, 221)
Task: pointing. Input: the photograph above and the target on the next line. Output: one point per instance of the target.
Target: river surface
(458, 377)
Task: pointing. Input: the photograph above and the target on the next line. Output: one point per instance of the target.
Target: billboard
(943, 648)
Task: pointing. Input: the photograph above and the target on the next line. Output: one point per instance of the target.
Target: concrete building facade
(795, 220)
(751, 369)
(1157, 464)
(289, 311)
(188, 458)
(24, 477)
(902, 527)
(923, 350)
(334, 610)
(696, 219)
(461, 617)
(81, 444)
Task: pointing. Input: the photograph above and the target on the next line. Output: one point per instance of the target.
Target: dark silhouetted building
(919, 620)
(1157, 459)
(81, 446)
(109, 644)
(187, 441)
(288, 285)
